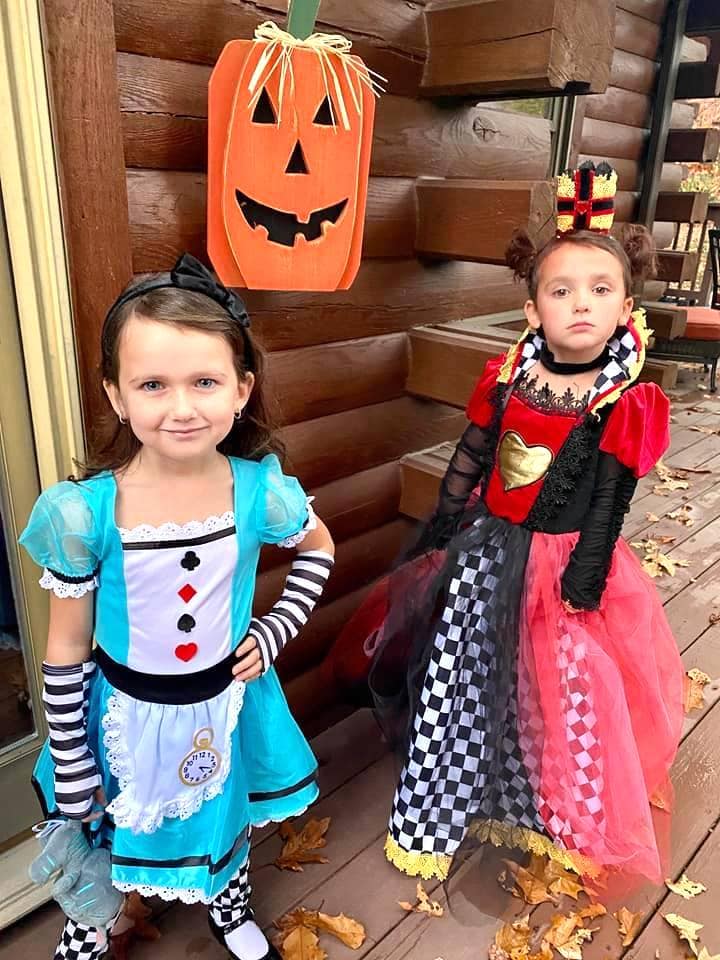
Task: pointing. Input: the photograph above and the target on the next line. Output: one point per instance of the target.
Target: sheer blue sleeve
(282, 509)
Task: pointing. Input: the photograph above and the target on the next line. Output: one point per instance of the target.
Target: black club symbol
(186, 623)
(190, 561)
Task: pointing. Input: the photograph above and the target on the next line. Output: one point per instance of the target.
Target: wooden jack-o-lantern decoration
(290, 130)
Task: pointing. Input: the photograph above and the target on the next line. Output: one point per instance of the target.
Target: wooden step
(421, 476)
(474, 48)
(474, 219)
(676, 266)
(699, 145)
(445, 365)
(697, 81)
(685, 207)
(666, 320)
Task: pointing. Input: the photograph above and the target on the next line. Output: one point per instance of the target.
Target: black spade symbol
(186, 623)
(190, 561)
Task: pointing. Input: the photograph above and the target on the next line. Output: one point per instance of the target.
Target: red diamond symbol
(187, 592)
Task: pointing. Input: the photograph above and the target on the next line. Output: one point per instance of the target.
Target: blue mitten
(83, 889)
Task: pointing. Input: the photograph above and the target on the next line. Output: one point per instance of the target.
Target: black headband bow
(188, 274)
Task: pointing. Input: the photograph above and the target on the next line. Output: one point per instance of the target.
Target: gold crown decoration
(586, 198)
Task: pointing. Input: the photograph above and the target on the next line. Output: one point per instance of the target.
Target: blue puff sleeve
(281, 509)
(62, 536)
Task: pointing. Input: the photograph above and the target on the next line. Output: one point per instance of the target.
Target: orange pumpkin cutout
(290, 132)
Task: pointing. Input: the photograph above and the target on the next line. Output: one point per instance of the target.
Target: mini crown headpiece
(586, 198)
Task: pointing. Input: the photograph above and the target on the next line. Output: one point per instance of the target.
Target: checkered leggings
(80, 942)
(464, 759)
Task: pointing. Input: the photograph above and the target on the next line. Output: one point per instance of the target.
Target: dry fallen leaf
(515, 937)
(345, 929)
(682, 515)
(695, 682)
(424, 904)
(705, 955)
(593, 911)
(572, 950)
(652, 518)
(686, 929)
(628, 924)
(529, 887)
(300, 847)
(658, 801)
(654, 562)
(302, 944)
(670, 480)
(685, 887)
(714, 618)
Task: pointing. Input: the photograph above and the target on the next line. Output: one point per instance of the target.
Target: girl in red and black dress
(544, 685)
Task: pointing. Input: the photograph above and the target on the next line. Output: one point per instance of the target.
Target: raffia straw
(329, 48)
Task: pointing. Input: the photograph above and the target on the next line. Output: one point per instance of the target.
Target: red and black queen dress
(525, 724)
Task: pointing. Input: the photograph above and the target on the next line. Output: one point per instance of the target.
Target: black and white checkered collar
(627, 356)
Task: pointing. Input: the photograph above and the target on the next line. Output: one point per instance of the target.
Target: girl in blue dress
(173, 734)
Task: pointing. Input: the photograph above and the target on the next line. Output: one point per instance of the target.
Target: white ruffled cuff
(66, 588)
(310, 524)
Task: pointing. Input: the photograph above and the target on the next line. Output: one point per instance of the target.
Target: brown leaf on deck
(514, 937)
(686, 929)
(424, 904)
(682, 515)
(685, 887)
(714, 618)
(629, 924)
(300, 848)
(302, 944)
(705, 955)
(345, 929)
(348, 931)
(530, 885)
(695, 683)
(652, 518)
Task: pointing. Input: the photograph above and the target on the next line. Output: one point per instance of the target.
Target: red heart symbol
(186, 651)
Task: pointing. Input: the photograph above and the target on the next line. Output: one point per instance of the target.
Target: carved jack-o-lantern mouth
(283, 227)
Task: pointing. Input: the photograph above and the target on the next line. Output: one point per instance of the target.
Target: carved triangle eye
(264, 111)
(324, 115)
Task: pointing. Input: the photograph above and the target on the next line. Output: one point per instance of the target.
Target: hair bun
(639, 246)
(521, 254)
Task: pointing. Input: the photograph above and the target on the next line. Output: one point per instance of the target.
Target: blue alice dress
(190, 759)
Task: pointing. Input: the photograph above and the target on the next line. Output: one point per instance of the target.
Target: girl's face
(580, 301)
(177, 387)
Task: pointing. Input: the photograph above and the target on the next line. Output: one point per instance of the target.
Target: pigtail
(639, 246)
(521, 255)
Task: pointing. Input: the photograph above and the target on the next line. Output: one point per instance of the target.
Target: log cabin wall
(129, 83)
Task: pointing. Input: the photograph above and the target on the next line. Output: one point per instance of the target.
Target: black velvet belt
(167, 688)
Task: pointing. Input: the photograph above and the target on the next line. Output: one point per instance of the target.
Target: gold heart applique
(521, 465)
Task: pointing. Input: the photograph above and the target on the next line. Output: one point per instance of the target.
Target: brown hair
(634, 249)
(113, 445)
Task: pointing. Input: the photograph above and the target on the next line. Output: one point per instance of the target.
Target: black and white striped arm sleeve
(65, 694)
(303, 588)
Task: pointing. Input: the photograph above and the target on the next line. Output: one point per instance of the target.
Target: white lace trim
(189, 895)
(259, 824)
(297, 538)
(62, 589)
(121, 760)
(145, 532)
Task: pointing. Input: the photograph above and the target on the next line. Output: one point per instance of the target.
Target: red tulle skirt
(600, 698)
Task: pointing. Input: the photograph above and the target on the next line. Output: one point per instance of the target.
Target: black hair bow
(190, 274)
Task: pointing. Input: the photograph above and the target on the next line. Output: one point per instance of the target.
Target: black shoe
(219, 933)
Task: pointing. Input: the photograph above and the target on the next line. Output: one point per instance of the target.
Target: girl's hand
(101, 801)
(569, 608)
(251, 664)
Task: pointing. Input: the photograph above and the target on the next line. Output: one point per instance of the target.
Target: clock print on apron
(202, 762)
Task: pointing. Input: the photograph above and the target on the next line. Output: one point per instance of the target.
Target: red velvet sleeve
(638, 429)
(480, 409)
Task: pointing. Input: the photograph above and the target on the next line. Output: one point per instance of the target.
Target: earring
(122, 420)
(239, 414)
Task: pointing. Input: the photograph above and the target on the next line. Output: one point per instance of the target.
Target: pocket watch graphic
(202, 762)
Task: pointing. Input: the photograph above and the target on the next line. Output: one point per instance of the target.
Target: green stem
(301, 17)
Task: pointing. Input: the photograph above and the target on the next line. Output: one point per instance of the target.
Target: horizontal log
(326, 449)
(676, 266)
(665, 320)
(318, 636)
(167, 216)
(625, 206)
(662, 372)
(485, 47)
(329, 378)
(682, 114)
(703, 17)
(475, 219)
(620, 106)
(445, 365)
(388, 36)
(663, 233)
(698, 80)
(615, 139)
(630, 172)
(632, 72)
(165, 127)
(653, 10)
(694, 50)
(358, 561)
(350, 506)
(700, 145)
(682, 207)
(637, 34)
(412, 294)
